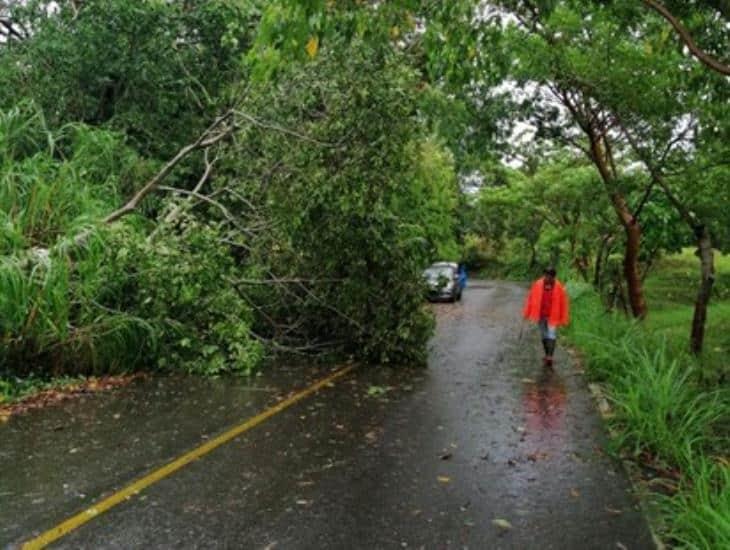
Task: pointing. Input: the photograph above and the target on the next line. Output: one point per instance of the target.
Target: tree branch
(173, 214)
(684, 35)
(205, 140)
(212, 202)
(270, 126)
(11, 30)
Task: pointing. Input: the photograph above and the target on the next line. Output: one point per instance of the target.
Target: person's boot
(549, 350)
(545, 347)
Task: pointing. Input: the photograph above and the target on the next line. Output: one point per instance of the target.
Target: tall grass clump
(665, 416)
(663, 410)
(699, 515)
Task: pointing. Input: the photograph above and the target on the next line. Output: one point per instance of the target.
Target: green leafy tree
(157, 71)
(352, 216)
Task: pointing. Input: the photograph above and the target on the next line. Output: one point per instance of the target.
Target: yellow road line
(129, 491)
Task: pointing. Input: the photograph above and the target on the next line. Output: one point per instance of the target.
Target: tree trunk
(533, 257)
(707, 270)
(582, 264)
(631, 269)
(631, 255)
(631, 227)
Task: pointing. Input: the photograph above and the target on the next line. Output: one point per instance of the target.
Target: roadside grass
(699, 516)
(671, 410)
(13, 388)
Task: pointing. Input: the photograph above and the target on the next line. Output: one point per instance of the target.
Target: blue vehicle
(462, 277)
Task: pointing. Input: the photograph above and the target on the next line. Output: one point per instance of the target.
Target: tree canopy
(306, 160)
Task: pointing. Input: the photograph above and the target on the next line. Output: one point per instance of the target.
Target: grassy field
(671, 410)
(670, 293)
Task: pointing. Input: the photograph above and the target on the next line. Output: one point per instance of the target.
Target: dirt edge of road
(65, 392)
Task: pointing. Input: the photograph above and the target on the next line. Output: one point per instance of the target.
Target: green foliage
(154, 70)
(179, 283)
(699, 516)
(120, 301)
(666, 410)
(49, 320)
(555, 214)
(432, 199)
(349, 202)
(660, 408)
(342, 185)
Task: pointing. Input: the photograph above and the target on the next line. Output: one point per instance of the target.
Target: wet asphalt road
(435, 458)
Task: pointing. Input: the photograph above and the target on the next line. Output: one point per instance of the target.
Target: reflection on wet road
(483, 449)
(545, 403)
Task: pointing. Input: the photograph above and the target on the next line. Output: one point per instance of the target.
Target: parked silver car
(444, 282)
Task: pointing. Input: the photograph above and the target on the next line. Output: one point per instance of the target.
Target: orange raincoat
(559, 308)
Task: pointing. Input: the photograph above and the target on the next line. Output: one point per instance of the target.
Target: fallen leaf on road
(377, 391)
(502, 524)
(614, 511)
(444, 479)
(527, 381)
(574, 493)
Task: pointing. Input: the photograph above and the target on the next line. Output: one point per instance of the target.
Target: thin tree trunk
(707, 271)
(533, 257)
(704, 249)
(583, 264)
(603, 250)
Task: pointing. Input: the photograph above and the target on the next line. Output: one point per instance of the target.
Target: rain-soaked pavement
(483, 449)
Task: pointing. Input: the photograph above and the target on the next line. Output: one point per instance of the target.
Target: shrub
(180, 283)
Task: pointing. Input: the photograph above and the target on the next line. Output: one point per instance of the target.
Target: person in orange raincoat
(547, 305)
